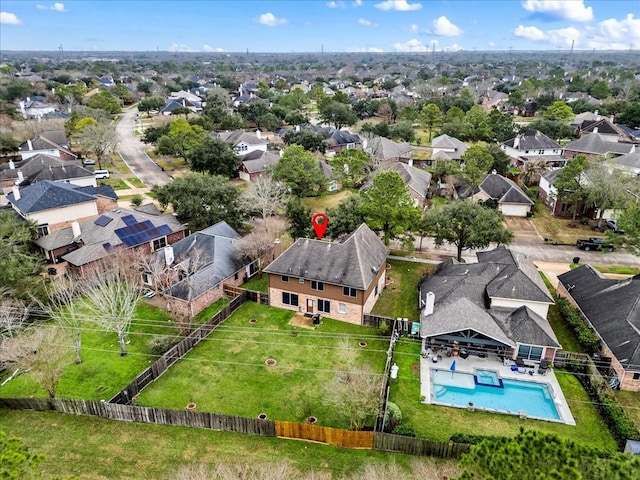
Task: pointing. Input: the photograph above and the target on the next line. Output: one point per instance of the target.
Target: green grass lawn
(136, 182)
(258, 283)
(400, 297)
(97, 449)
(440, 423)
(115, 183)
(619, 269)
(328, 200)
(210, 311)
(630, 401)
(227, 374)
(103, 372)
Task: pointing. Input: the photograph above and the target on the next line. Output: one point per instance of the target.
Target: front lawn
(557, 229)
(227, 373)
(400, 297)
(103, 372)
(439, 423)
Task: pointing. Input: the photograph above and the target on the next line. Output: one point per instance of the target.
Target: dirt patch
(415, 368)
(299, 320)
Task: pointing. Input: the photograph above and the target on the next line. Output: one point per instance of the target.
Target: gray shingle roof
(31, 166)
(354, 262)
(631, 160)
(238, 136)
(503, 189)
(612, 307)
(381, 149)
(47, 195)
(47, 140)
(551, 175)
(63, 172)
(593, 143)
(532, 139)
(258, 161)
(416, 179)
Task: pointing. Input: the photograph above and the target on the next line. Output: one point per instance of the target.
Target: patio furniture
(543, 368)
(520, 363)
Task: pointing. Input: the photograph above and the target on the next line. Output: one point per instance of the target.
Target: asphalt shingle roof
(47, 195)
(258, 161)
(532, 139)
(503, 189)
(354, 262)
(416, 179)
(594, 143)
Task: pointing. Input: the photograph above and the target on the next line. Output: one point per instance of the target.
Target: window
(284, 278)
(342, 308)
(324, 306)
(636, 376)
(43, 229)
(317, 285)
(541, 152)
(349, 292)
(252, 269)
(159, 243)
(290, 299)
(235, 276)
(376, 290)
(147, 279)
(529, 352)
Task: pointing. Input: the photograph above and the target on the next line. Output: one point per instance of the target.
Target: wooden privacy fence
(252, 295)
(331, 436)
(401, 325)
(176, 352)
(131, 413)
(418, 446)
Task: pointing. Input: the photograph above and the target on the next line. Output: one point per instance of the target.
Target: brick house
(340, 280)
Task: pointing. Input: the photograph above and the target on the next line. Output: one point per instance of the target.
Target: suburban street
(132, 151)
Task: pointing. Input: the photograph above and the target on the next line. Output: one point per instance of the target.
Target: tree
(467, 225)
(477, 163)
(516, 98)
(477, 121)
(19, 262)
(533, 169)
(629, 221)
(533, 455)
(568, 183)
(99, 139)
(181, 138)
(299, 216)
(345, 218)
(350, 164)
(558, 111)
(599, 89)
(111, 297)
(14, 314)
(336, 114)
(17, 461)
(630, 115)
(300, 170)
(268, 121)
(151, 103)
(501, 125)
(105, 100)
(265, 196)
(501, 160)
(214, 156)
(606, 187)
(202, 200)
(43, 353)
(310, 140)
(388, 207)
(430, 118)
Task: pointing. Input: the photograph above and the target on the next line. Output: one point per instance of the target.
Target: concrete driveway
(132, 151)
(523, 229)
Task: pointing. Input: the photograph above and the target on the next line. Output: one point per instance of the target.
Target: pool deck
(471, 363)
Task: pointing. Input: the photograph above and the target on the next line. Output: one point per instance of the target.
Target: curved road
(132, 151)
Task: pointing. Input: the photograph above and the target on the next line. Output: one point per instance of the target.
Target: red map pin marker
(320, 222)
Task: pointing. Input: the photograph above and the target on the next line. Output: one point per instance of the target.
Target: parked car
(100, 174)
(88, 161)
(612, 225)
(594, 244)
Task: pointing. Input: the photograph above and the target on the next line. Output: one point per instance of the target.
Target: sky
(314, 26)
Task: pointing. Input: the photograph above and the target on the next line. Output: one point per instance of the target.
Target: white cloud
(532, 33)
(398, 5)
(492, 44)
(333, 4)
(364, 50)
(563, 37)
(180, 47)
(442, 26)
(357, 3)
(9, 18)
(413, 45)
(367, 23)
(453, 48)
(209, 48)
(414, 28)
(612, 34)
(558, 9)
(58, 7)
(270, 20)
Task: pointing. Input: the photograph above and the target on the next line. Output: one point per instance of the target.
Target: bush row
(585, 335)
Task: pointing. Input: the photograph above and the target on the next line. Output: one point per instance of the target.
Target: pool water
(460, 389)
(488, 378)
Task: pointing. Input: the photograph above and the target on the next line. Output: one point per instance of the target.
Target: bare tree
(265, 196)
(43, 353)
(99, 139)
(253, 246)
(354, 390)
(112, 295)
(13, 313)
(64, 307)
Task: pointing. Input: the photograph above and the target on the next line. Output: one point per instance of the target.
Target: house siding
(540, 308)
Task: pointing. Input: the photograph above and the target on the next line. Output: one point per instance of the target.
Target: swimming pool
(462, 389)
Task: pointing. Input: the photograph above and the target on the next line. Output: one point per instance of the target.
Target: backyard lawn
(400, 297)
(227, 372)
(630, 401)
(103, 371)
(328, 200)
(258, 283)
(439, 423)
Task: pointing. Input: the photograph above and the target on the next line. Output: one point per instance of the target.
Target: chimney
(494, 172)
(259, 134)
(595, 129)
(29, 145)
(516, 142)
(12, 165)
(16, 192)
(611, 118)
(20, 176)
(75, 228)
(297, 128)
(168, 255)
(428, 307)
(281, 152)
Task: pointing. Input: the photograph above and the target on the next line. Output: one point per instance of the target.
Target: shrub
(159, 344)
(383, 328)
(136, 200)
(585, 335)
(394, 417)
(471, 439)
(405, 429)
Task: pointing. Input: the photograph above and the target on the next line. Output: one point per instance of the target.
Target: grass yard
(136, 182)
(97, 449)
(328, 200)
(170, 164)
(400, 297)
(258, 283)
(617, 269)
(103, 372)
(440, 423)
(556, 228)
(210, 311)
(630, 401)
(116, 183)
(226, 373)
(563, 332)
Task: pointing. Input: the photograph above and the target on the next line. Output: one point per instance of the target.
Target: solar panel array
(141, 232)
(129, 220)
(103, 221)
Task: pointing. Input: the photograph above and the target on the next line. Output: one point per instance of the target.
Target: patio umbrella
(452, 368)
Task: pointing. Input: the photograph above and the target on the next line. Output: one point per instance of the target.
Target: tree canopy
(477, 163)
(337, 114)
(466, 225)
(431, 117)
(214, 156)
(350, 165)
(568, 183)
(181, 138)
(345, 218)
(388, 207)
(202, 200)
(558, 111)
(105, 100)
(300, 170)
